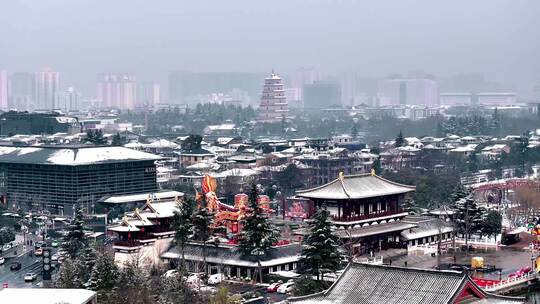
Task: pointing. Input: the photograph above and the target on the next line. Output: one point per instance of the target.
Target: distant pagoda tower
(273, 105)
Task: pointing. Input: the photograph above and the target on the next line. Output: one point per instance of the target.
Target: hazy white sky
(149, 37)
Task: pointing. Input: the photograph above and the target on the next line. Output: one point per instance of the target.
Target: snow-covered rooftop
(119, 199)
(46, 295)
(71, 156)
(162, 144)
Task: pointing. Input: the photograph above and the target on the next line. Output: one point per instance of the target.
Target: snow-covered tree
(69, 275)
(134, 283)
(411, 206)
(320, 249)
(174, 290)
(183, 226)
(258, 233)
(468, 217)
(75, 240)
(87, 260)
(202, 230)
(400, 141)
(104, 275)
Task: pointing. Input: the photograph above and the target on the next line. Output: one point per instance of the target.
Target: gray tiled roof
(426, 226)
(370, 284)
(362, 283)
(230, 255)
(374, 229)
(355, 187)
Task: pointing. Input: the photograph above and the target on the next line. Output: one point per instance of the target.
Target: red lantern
(129, 235)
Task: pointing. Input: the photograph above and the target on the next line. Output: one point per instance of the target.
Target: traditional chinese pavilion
(143, 227)
(367, 209)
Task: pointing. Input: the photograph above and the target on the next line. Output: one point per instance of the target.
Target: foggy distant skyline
(82, 38)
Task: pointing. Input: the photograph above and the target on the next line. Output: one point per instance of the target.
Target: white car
(170, 273)
(286, 287)
(2, 260)
(55, 257)
(29, 277)
(207, 289)
(216, 279)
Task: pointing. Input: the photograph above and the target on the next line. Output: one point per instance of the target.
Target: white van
(216, 278)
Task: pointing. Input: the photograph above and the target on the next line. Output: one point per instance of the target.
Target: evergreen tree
(174, 290)
(183, 226)
(95, 137)
(400, 141)
(75, 240)
(354, 131)
(202, 230)
(104, 274)
(134, 283)
(377, 165)
(90, 136)
(192, 142)
(320, 250)
(69, 275)
(258, 233)
(492, 224)
(117, 140)
(7, 235)
(98, 138)
(411, 207)
(87, 260)
(468, 217)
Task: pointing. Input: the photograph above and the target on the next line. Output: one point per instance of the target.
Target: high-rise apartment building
(22, 87)
(321, 94)
(273, 106)
(187, 87)
(46, 85)
(149, 94)
(4, 90)
(536, 92)
(68, 100)
(398, 91)
(304, 76)
(117, 90)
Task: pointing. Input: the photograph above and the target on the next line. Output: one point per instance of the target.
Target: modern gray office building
(56, 178)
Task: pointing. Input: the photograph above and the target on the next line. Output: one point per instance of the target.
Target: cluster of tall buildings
(304, 88)
(42, 91)
(30, 91)
(121, 91)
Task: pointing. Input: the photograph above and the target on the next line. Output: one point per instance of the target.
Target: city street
(29, 263)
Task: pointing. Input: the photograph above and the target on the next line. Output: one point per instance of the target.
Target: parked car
(55, 257)
(38, 252)
(2, 260)
(207, 289)
(39, 244)
(29, 277)
(286, 287)
(55, 243)
(216, 278)
(170, 273)
(274, 287)
(15, 266)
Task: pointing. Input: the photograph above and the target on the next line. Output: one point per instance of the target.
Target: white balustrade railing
(510, 281)
(378, 260)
